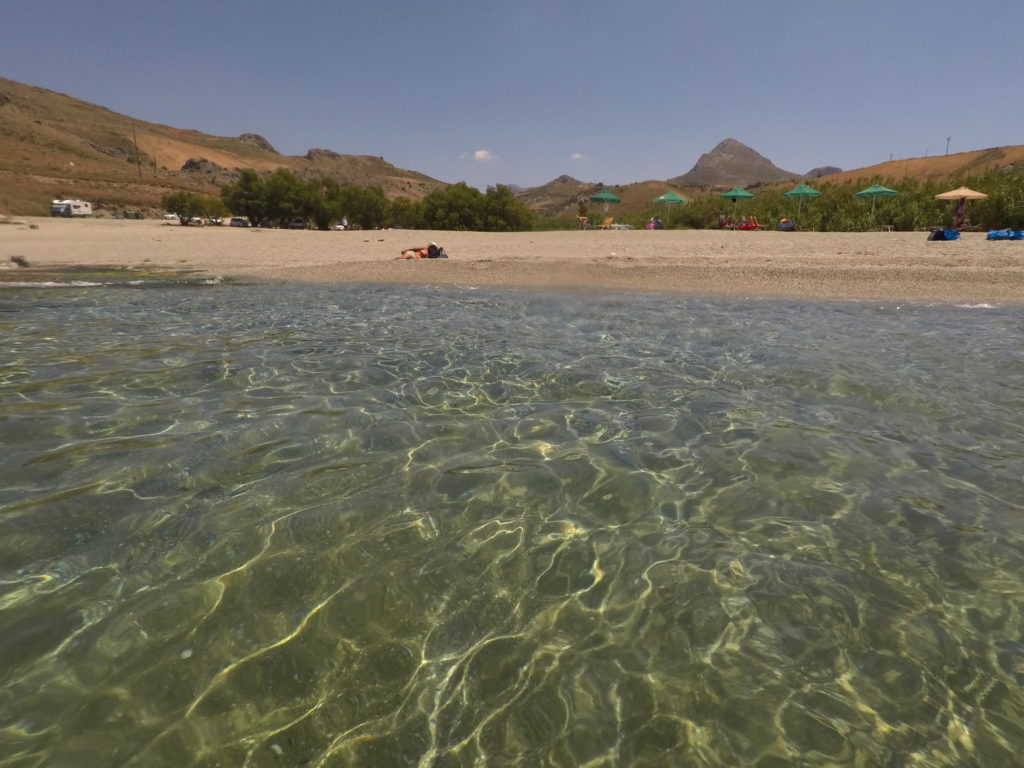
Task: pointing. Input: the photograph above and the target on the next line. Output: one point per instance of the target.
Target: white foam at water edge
(50, 284)
(975, 306)
(94, 284)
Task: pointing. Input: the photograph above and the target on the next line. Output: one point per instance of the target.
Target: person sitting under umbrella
(959, 211)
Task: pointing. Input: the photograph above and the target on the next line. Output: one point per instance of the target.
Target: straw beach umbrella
(800, 191)
(961, 195)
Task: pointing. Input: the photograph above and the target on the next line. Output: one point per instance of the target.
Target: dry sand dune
(866, 266)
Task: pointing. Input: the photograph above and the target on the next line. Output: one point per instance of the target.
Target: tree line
(281, 198)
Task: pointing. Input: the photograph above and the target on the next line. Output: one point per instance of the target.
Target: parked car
(298, 224)
(238, 221)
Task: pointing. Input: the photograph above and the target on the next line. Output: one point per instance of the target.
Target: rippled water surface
(367, 526)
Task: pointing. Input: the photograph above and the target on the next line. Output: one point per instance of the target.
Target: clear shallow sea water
(386, 526)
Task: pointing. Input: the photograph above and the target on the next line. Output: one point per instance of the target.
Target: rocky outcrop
(204, 171)
(314, 155)
(120, 152)
(732, 164)
(201, 165)
(255, 140)
(824, 170)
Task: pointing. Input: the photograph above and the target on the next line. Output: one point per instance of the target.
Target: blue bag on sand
(1005, 234)
(944, 234)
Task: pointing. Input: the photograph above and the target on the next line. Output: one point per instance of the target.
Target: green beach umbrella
(874, 192)
(668, 199)
(800, 191)
(735, 194)
(605, 196)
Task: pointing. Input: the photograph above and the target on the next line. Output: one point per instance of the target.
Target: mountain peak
(731, 164)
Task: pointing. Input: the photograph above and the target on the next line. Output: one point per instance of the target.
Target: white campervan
(68, 208)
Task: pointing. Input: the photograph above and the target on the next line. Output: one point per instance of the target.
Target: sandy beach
(883, 266)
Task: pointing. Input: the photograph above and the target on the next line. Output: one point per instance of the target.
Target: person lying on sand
(432, 251)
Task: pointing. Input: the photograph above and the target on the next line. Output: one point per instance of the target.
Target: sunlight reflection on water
(397, 526)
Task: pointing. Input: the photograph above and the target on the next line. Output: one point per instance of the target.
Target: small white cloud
(484, 156)
(579, 156)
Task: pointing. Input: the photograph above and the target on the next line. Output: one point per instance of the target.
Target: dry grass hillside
(564, 194)
(936, 168)
(53, 145)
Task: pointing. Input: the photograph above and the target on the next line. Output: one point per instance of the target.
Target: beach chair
(584, 222)
(607, 223)
(749, 223)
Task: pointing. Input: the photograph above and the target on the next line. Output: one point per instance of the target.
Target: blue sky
(522, 91)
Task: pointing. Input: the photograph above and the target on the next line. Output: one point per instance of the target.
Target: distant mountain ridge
(54, 145)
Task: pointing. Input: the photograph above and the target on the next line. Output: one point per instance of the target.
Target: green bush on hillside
(282, 197)
(461, 207)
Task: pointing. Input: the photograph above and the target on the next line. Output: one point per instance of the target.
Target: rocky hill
(53, 145)
(732, 164)
(823, 170)
(557, 196)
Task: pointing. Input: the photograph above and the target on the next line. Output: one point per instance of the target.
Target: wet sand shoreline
(882, 266)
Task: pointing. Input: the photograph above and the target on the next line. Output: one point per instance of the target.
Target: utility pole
(138, 160)
(947, 144)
